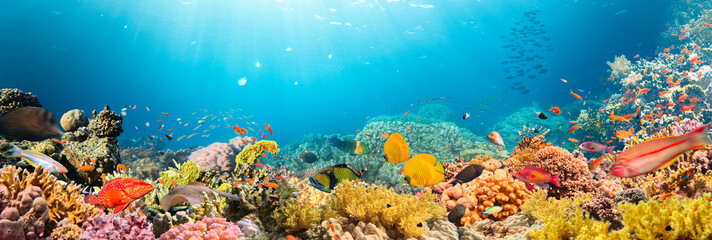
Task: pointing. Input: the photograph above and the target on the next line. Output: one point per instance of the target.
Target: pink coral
(216, 156)
(105, 227)
(208, 228)
(11, 226)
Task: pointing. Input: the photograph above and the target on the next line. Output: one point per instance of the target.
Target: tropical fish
(573, 140)
(195, 193)
(396, 149)
(468, 174)
(666, 71)
(531, 175)
(270, 185)
(596, 162)
(493, 210)
(431, 100)
(86, 168)
(576, 95)
(496, 139)
(350, 146)
(621, 134)
(35, 159)
(423, 170)
(658, 153)
(327, 179)
(269, 129)
(555, 110)
(457, 213)
(682, 98)
(29, 123)
(466, 116)
(540, 115)
(574, 128)
(308, 157)
(119, 193)
(594, 147)
(685, 108)
(615, 118)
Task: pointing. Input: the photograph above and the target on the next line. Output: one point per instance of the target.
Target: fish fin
(537, 169)
(545, 185)
(669, 162)
(610, 149)
(590, 151)
(454, 182)
(16, 152)
(89, 198)
(699, 136)
(121, 207)
(555, 180)
(529, 186)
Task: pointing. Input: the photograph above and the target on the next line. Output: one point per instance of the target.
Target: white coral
(619, 67)
(632, 79)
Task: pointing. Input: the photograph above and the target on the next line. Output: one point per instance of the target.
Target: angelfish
(658, 153)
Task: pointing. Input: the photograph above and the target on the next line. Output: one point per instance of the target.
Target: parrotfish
(119, 193)
(594, 147)
(658, 153)
(327, 179)
(350, 146)
(29, 123)
(38, 159)
(531, 175)
(192, 193)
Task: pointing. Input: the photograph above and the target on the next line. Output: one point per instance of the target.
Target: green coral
(671, 218)
(252, 152)
(401, 214)
(185, 173)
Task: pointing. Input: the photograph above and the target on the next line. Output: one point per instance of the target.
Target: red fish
(269, 129)
(165, 114)
(119, 193)
(594, 164)
(537, 176)
(658, 153)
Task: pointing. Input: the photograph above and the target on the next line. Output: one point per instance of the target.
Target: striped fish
(658, 153)
(36, 158)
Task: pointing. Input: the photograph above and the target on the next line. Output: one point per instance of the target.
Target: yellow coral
(671, 218)
(540, 206)
(252, 152)
(297, 216)
(572, 225)
(377, 204)
(64, 200)
(185, 173)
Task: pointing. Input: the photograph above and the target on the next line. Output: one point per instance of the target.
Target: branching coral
(182, 174)
(401, 214)
(671, 218)
(297, 216)
(250, 153)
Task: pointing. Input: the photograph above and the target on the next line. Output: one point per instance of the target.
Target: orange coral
(483, 193)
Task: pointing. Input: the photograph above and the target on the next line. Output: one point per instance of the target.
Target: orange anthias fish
(682, 98)
(620, 134)
(686, 108)
(658, 153)
(573, 140)
(617, 118)
(269, 129)
(555, 110)
(594, 164)
(574, 128)
(86, 168)
(239, 130)
(644, 90)
(536, 176)
(576, 95)
(666, 71)
(119, 193)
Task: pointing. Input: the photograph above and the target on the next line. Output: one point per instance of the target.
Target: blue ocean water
(324, 66)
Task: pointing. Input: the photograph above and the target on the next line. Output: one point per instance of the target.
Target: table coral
(216, 156)
(108, 227)
(11, 98)
(250, 153)
(401, 214)
(209, 228)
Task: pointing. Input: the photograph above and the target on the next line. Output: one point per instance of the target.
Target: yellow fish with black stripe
(327, 179)
(396, 149)
(423, 170)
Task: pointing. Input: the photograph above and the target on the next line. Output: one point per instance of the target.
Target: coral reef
(619, 67)
(74, 119)
(250, 153)
(66, 231)
(106, 123)
(216, 156)
(209, 228)
(671, 218)
(182, 174)
(11, 98)
(130, 227)
(631, 195)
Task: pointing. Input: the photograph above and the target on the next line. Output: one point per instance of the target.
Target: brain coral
(483, 193)
(216, 156)
(74, 119)
(11, 98)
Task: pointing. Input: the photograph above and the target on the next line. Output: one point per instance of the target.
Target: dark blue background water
(179, 56)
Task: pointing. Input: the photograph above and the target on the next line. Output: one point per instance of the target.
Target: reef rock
(74, 119)
(11, 98)
(217, 156)
(106, 123)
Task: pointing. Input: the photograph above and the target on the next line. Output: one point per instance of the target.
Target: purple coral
(684, 126)
(217, 156)
(208, 228)
(105, 227)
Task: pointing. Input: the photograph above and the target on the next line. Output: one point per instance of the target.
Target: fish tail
(555, 180)
(453, 183)
(699, 136)
(610, 149)
(16, 152)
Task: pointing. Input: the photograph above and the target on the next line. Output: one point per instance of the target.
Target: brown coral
(483, 193)
(63, 200)
(11, 98)
(106, 123)
(32, 206)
